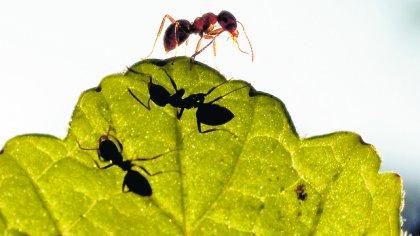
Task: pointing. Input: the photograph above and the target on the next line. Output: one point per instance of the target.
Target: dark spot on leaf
(1, 151)
(279, 215)
(299, 213)
(395, 174)
(335, 176)
(98, 89)
(281, 189)
(261, 206)
(319, 210)
(300, 192)
(14, 231)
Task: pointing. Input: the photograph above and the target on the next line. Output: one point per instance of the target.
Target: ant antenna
(237, 44)
(211, 90)
(249, 42)
(224, 95)
(156, 173)
(85, 148)
(208, 131)
(139, 73)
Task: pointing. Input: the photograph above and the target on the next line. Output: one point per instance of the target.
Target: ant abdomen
(159, 95)
(213, 114)
(137, 183)
(176, 34)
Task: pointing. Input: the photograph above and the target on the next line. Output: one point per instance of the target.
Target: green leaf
(258, 177)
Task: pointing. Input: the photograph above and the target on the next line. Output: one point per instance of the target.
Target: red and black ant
(179, 31)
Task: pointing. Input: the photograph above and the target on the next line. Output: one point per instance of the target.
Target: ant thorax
(176, 99)
(125, 165)
(193, 100)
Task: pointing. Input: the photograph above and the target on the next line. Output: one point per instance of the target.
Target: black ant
(133, 180)
(179, 31)
(207, 112)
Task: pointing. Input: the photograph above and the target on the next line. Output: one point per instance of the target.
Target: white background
(337, 65)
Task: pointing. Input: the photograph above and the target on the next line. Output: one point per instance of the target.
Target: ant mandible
(207, 112)
(179, 31)
(133, 180)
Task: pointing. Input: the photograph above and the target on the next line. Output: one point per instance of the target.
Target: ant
(207, 112)
(133, 180)
(179, 31)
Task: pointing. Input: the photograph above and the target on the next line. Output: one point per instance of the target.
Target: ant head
(228, 22)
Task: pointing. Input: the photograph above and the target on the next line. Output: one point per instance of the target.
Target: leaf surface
(256, 176)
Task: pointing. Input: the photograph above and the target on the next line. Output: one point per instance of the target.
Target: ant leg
(157, 173)
(186, 46)
(224, 95)
(172, 80)
(175, 52)
(214, 48)
(212, 130)
(103, 167)
(160, 30)
(179, 113)
(202, 49)
(90, 149)
(148, 173)
(83, 148)
(205, 131)
(176, 26)
(213, 34)
(138, 100)
(154, 157)
(197, 47)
